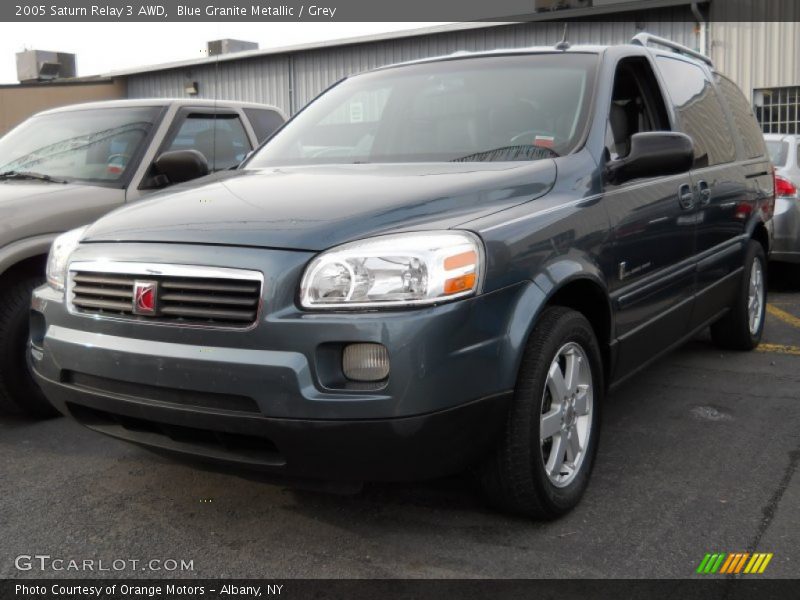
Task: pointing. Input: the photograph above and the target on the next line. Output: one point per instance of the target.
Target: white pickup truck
(66, 167)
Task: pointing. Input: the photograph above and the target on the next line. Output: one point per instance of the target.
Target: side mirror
(182, 165)
(653, 154)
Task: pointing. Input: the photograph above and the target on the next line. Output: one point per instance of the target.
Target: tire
(741, 329)
(514, 477)
(18, 391)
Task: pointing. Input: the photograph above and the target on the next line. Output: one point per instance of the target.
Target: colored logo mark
(734, 563)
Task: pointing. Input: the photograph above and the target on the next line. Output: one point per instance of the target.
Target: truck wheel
(18, 391)
(741, 328)
(544, 457)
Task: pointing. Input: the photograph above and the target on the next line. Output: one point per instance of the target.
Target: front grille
(213, 301)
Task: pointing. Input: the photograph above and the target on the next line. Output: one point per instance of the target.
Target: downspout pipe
(702, 29)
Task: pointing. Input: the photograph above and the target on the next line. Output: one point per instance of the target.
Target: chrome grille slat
(208, 313)
(212, 287)
(221, 300)
(104, 304)
(109, 280)
(196, 299)
(99, 291)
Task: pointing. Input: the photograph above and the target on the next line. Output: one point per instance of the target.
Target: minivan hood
(316, 207)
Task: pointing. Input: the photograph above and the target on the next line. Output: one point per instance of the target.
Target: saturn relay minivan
(434, 266)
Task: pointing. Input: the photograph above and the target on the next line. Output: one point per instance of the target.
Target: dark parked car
(67, 166)
(433, 266)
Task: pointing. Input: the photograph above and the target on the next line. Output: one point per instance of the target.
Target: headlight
(62, 247)
(407, 269)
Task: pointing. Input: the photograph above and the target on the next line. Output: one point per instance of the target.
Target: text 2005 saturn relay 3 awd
(434, 266)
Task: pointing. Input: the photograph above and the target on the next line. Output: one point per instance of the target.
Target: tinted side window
(264, 122)
(743, 118)
(220, 138)
(700, 111)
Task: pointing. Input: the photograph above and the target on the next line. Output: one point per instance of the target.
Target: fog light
(365, 362)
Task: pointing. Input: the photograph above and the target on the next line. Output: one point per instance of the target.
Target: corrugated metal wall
(316, 70)
(290, 81)
(757, 55)
(265, 80)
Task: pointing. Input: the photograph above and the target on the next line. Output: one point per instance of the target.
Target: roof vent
(42, 65)
(229, 46)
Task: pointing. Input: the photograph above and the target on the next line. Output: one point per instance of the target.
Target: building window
(778, 109)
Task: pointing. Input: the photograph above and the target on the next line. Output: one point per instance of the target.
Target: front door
(653, 225)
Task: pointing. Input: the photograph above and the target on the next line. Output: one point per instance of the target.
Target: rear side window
(264, 122)
(743, 118)
(700, 111)
(778, 152)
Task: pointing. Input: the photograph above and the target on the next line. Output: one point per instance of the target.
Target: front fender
(551, 286)
(26, 248)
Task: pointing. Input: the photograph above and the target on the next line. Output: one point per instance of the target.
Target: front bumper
(265, 399)
(399, 449)
(786, 222)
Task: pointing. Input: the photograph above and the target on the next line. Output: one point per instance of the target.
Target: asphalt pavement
(699, 453)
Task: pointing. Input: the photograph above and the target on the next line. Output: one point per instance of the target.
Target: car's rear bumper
(786, 222)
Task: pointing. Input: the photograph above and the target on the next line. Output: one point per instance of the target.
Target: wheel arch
(589, 296)
(761, 235)
(27, 256)
(584, 291)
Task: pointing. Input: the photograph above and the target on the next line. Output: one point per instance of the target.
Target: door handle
(686, 197)
(705, 193)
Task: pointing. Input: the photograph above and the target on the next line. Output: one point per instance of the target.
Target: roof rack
(645, 39)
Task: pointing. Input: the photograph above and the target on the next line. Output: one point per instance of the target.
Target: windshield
(96, 145)
(778, 151)
(499, 108)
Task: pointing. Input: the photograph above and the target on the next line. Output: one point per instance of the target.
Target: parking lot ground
(699, 453)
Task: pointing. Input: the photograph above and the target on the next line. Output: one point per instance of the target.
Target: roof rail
(645, 39)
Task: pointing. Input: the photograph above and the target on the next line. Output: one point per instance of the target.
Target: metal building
(291, 77)
(763, 58)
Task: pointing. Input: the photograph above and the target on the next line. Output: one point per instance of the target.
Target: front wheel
(543, 460)
(741, 328)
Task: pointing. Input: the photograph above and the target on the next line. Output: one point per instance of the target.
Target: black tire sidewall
(754, 252)
(571, 327)
(17, 385)
(732, 332)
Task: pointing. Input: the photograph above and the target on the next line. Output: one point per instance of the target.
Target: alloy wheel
(566, 420)
(755, 297)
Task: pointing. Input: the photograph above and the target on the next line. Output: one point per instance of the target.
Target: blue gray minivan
(435, 266)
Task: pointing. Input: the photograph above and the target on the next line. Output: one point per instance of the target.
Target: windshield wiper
(509, 153)
(30, 175)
